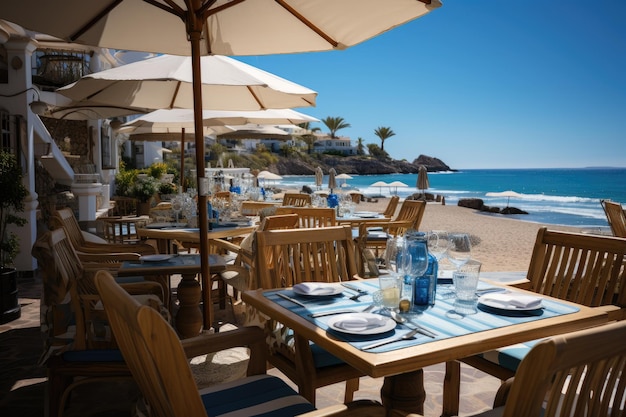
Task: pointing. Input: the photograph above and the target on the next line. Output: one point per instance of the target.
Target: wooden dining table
(458, 335)
(189, 318)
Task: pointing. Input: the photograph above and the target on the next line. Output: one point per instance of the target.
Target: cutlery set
(415, 329)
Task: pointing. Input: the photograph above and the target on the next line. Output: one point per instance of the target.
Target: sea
(569, 197)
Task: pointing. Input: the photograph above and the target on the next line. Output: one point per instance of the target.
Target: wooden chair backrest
(152, 352)
(65, 218)
(253, 208)
(61, 272)
(575, 374)
(390, 210)
(297, 199)
(223, 194)
(287, 257)
(616, 217)
(282, 221)
(309, 217)
(409, 217)
(583, 268)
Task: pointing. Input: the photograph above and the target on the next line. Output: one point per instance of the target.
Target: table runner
(441, 319)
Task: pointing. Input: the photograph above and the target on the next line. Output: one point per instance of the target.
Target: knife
(286, 297)
(330, 313)
(353, 288)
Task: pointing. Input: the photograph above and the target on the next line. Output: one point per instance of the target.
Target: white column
(86, 194)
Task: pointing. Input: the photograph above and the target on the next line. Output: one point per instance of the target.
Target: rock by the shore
(478, 204)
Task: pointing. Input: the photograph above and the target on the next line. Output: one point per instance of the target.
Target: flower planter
(10, 308)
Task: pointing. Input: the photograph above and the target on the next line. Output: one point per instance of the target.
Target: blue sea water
(568, 197)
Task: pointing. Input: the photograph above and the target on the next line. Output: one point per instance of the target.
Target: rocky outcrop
(478, 204)
(362, 165)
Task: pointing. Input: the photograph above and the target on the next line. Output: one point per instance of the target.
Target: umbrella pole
(182, 161)
(194, 28)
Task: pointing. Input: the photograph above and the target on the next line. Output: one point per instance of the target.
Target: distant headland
(360, 165)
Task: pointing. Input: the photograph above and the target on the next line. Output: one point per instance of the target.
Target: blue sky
(482, 84)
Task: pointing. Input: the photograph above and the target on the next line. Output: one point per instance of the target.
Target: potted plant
(143, 190)
(12, 196)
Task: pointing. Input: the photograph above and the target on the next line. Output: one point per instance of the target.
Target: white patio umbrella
(319, 177)
(254, 131)
(166, 82)
(397, 184)
(422, 179)
(380, 185)
(332, 182)
(508, 194)
(198, 27)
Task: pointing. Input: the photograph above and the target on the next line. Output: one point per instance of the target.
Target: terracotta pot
(143, 209)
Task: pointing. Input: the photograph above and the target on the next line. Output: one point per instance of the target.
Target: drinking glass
(177, 205)
(438, 243)
(397, 259)
(460, 249)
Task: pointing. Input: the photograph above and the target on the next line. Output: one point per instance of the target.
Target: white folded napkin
(513, 300)
(356, 324)
(314, 288)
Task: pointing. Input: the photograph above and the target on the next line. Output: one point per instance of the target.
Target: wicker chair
(158, 363)
(581, 268)
(326, 255)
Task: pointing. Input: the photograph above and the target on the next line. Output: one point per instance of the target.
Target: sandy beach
(503, 244)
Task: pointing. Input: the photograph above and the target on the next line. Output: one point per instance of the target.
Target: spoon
(403, 320)
(406, 336)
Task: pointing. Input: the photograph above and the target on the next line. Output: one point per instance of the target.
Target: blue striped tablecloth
(442, 319)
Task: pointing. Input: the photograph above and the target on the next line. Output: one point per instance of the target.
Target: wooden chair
(615, 216)
(371, 245)
(158, 362)
(390, 210)
(120, 229)
(240, 275)
(77, 347)
(309, 217)
(581, 268)
(124, 206)
(574, 374)
(288, 257)
(65, 218)
(297, 199)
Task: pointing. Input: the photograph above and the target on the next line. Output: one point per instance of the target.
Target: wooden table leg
(189, 317)
(404, 392)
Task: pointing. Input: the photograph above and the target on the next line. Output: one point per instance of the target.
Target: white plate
(366, 214)
(335, 290)
(388, 325)
(504, 306)
(155, 258)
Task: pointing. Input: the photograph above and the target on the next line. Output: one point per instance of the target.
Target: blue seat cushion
(261, 395)
(509, 357)
(93, 355)
(322, 358)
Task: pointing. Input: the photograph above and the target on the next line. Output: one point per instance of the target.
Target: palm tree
(309, 138)
(360, 146)
(334, 124)
(383, 133)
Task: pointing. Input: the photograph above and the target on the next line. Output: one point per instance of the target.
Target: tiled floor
(22, 382)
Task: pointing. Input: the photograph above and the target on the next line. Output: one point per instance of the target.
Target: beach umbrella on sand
(380, 184)
(397, 184)
(197, 27)
(508, 194)
(319, 177)
(332, 181)
(422, 179)
(343, 178)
